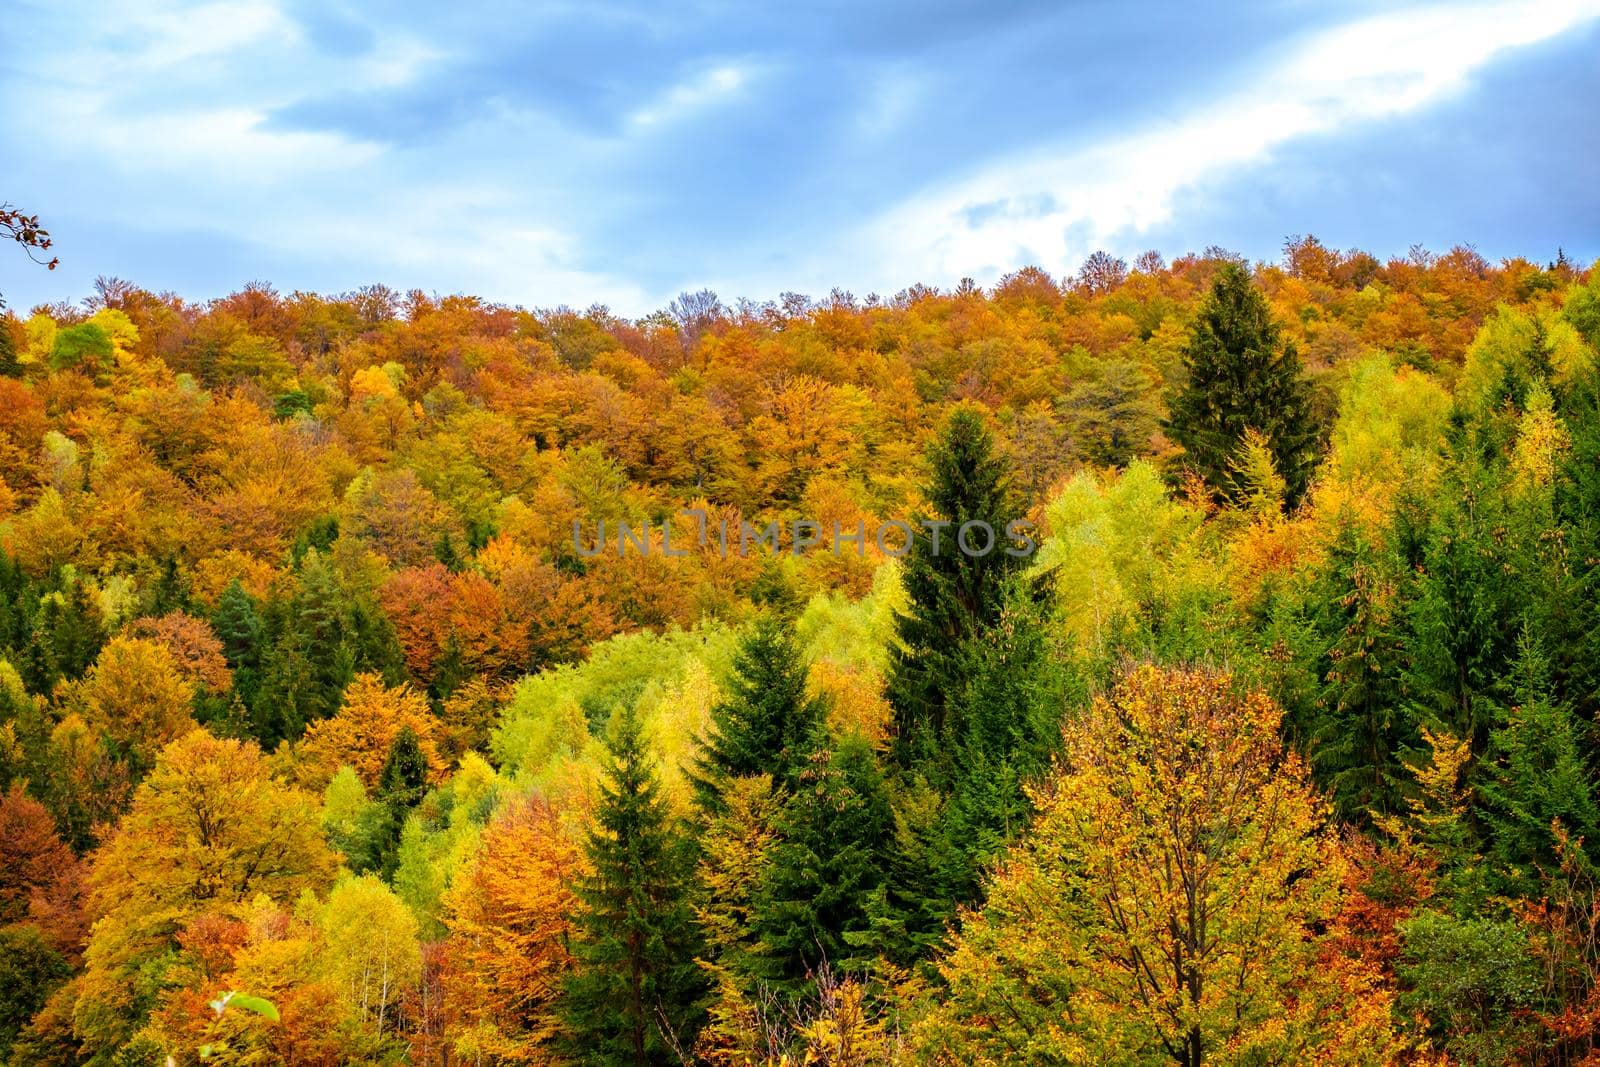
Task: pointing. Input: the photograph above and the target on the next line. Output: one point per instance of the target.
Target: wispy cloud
(1052, 207)
(684, 99)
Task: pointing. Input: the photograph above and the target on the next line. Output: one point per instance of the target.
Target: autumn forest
(329, 736)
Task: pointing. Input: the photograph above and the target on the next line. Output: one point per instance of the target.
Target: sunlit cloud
(1052, 207)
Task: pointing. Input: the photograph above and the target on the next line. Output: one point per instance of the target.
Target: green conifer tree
(10, 367)
(812, 906)
(67, 634)
(315, 642)
(238, 627)
(635, 993)
(1538, 775)
(1470, 603)
(950, 826)
(1576, 657)
(767, 723)
(1242, 376)
(401, 786)
(954, 594)
(404, 777)
(1362, 728)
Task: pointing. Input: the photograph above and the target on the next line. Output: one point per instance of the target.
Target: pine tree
(811, 907)
(404, 777)
(17, 595)
(1362, 728)
(316, 642)
(290, 695)
(237, 626)
(9, 366)
(1242, 376)
(954, 594)
(767, 723)
(1470, 604)
(950, 828)
(635, 992)
(1538, 772)
(67, 635)
(401, 785)
(1576, 659)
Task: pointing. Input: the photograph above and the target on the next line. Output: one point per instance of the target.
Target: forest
(324, 740)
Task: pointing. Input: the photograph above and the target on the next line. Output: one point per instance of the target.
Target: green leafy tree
(954, 594)
(30, 970)
(86, 345)
(1475, 981)
(635, 992)
(358, 827)
(1242, 376)
(1114, 415)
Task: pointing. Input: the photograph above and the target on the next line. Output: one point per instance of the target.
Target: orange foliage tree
(360, 735)
(509, 915)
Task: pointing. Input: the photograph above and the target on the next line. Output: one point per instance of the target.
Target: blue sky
(574, 153)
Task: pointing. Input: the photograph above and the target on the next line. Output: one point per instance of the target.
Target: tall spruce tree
(1471, 602)
(10, 367)
(404, 777)
(1576, 658)
(767, 723)
(401, 786)
(1241, 376)
(315, 642)
(812, 906)
(635, 993)
(1537, 775)
(1361, 728)
(955, 589)
(238, 627)
(67, 633)
(973, 801)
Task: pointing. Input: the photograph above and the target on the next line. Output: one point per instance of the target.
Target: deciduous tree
(1167, 904)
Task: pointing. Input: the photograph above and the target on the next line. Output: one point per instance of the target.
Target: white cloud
(1055, 206)
(687, 97)
(171, 36)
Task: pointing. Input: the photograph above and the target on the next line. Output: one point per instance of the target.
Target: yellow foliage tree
(734, 852)
(1167, 904)
(208, 831)
(136, 695)
(370, 950)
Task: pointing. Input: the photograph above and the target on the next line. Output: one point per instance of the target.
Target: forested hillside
(326, 740)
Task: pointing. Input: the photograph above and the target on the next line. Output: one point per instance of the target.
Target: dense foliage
(390, 662)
